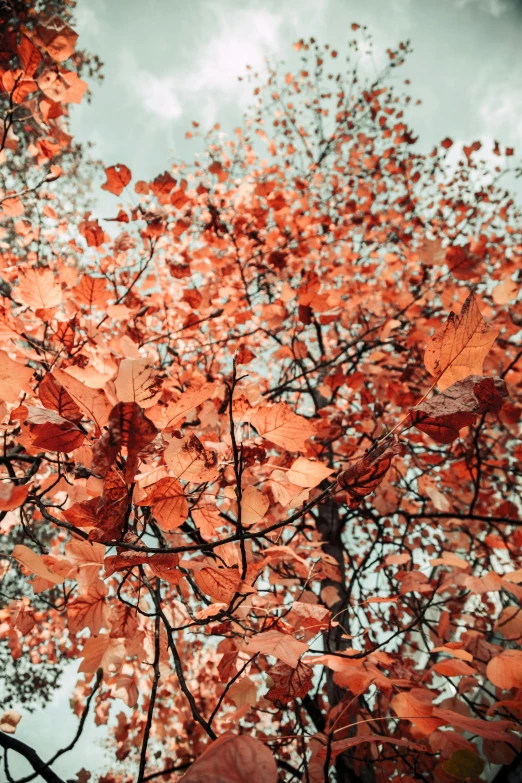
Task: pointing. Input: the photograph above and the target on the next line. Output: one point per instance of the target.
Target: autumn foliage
(261, 441)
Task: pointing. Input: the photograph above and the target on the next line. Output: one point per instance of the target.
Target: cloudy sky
(168, 62)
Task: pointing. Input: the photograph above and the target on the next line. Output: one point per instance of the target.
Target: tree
(261, 451)
(45, 181)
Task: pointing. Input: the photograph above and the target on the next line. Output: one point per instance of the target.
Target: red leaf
(118, 177)
(289, 683)
(458, 406)
(127, 426)
(362, 478)
(244, 759)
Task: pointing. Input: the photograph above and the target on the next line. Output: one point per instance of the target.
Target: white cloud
(158, 95)
(232, 40)
(493, 7)
(89, 21)
(500, 111)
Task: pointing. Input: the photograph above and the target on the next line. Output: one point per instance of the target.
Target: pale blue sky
(171, 61)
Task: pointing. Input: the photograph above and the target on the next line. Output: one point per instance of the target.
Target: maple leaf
(243, 758)
(39, 289)
(118, 177)
(282, 646)
(91, 291)
(172, 414)
(53, 396)
(460, 347)
(361, 479)
(102, 652)
(254, 506)
(289, 683)
(51, 432)
(505, 670)
(188, 459)
(12, 495)
(283, 427)
(136, 382)
(168, 502)
(112, 509)
(127, 426)
(13, 377)
(89, 610)
(221, 584)
(306, 473)
(92, 402)
(36, 564)
(9, 720)
(458, 406)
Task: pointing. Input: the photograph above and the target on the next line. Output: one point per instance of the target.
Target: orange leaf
(168, 502)
(29, 56)
(112, 509)
(505, 292)
(102, 652)
(58, 38)
(221, 584)
(51, 431)
(93, 233)
(254, 506)
(505, 670)
(282, 646)
(458, 406)
(13, 377)
(54, 397)
(283, 427)
(453, 668)
(36, 564)
(92, 402)
(38, 289)
(362, 478)
(460, 347)
(307, 473)
(207, 518)
(12, 207)
(118, 177)
(9, 721)
(136, 382)
(89, 610)
(91, 291)
(124, 687)
(127, 426)
(188, 459)
(171, 414)
(244, 759)
(289, 683)
(12, 495)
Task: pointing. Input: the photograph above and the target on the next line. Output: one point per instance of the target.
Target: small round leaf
(464, 765)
